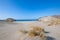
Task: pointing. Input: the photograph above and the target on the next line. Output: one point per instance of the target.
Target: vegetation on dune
(36, 31)
(49, 20)
(54, 22)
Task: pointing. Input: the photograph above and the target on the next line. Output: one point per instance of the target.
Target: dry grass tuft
(36, 31)
(54, 22)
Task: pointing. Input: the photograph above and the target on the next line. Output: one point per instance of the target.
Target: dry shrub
(37, 31)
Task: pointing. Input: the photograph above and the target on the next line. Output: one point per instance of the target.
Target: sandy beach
(10, 31)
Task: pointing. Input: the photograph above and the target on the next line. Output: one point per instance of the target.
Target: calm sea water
(24, 21)
(30, 20)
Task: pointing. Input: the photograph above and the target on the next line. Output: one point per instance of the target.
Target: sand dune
(10, 31)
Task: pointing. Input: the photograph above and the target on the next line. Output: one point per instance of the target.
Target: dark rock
(10, 20)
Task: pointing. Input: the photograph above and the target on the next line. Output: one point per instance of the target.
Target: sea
(24, 21)
(29, 20)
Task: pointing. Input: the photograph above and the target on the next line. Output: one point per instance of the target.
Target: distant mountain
(56, 16)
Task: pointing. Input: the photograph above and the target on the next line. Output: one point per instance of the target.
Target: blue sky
(28, 9)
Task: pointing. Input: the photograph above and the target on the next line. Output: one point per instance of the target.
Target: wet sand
(10, 31)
